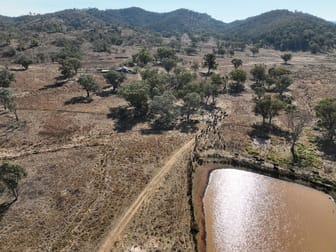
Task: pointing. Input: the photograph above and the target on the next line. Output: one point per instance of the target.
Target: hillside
(280, 29)
(285, 30)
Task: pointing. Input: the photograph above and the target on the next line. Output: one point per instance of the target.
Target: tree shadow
(187, 126)
(236, 89)
(17, 69)
(78, 99)
(57, 84)
(209, 107)
(152, 131)
(328, 147)
(106, 92)
(61, 78)
(4, 208)
(264, 131)
(126, 118)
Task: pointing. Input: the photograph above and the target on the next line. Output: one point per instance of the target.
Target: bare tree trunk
(16, 116)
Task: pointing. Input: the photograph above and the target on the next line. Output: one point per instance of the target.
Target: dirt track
(115, 232)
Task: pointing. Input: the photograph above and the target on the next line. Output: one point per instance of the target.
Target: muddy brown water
(245, 211)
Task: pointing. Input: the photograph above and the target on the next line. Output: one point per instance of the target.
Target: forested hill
(285, 30)
(178, 21)
(280, 29)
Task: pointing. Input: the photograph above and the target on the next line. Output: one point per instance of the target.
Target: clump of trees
(143, 57)
(268, 107)
(69, 59)
(277, 79)
(157, 93)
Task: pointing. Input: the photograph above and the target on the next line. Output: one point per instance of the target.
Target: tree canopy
(286, 57)
(268, 107)
(25, 61)
(136, 93)
(114, 78)
(6, 78)
(163, 110)
(209, 61)
(236, 62)
(88, 83)
(10, 174)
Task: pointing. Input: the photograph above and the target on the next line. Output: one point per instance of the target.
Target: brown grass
(84, 175)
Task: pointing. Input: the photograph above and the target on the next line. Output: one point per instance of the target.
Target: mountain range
(281, 29)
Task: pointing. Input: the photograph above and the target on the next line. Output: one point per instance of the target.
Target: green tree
(168, 64)
(88, 83)
(70, 51)
(8, 101)
(165, 53)
(163, 111)
(69, 67)
(4, 96)
(276, 72)
(192, 101)
(259, 74)
(10, 175)
(286, 57)
(136, 93)
(209, 61)
(11, 106)
(326, 112)
(25, 61)
(157, 82)
(268, 107)
(143, 57)
(260, 92)
(254, 50)
(282, 84)
(115, 79)
(180, 80)
(238, 77)
(236, 63)
(206, 91)
(274, 76)
(6, 78)
(216, 84)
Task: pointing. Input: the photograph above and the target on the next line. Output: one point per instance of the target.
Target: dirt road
(116, 231)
